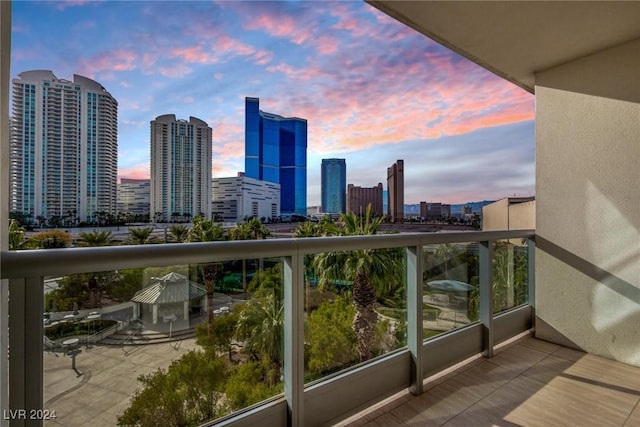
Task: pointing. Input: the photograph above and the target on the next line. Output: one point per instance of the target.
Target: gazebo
(456, 292)
(170, 297)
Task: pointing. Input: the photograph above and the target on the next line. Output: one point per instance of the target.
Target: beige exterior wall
(588, 203)
(522, 216)
(495, 216)
(501, 215)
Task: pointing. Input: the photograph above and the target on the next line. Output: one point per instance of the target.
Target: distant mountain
(476, 208)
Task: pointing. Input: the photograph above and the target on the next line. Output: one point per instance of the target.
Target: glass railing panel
(355, 308)
(187, 343)
(510, 274)
(450, 287)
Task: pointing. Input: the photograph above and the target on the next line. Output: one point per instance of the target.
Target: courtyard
(105, 380)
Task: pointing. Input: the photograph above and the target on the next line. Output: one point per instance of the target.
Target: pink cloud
(279, 25)
(327, 45)
(108, 62)
(195, 54)
(139, 171)
(175, 71)
(371, 102)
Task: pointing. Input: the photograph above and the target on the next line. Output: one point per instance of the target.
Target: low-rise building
(134, 197)
(240, 197)
(510, 213)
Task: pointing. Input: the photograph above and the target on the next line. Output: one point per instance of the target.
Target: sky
(372, 90)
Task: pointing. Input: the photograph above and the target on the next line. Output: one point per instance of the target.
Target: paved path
(107, 381)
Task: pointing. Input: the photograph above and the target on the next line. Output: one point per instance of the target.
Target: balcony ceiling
(519, 38)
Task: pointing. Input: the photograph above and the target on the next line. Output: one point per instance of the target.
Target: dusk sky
(372, 90)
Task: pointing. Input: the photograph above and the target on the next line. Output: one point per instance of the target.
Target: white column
(186, 310)
(155, 313)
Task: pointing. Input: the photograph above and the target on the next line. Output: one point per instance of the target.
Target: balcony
(586, 257)
(36, 375)
(527, 382)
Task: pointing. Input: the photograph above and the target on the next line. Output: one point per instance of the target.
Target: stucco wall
(495, 215)
(522, 216)
(588, 203)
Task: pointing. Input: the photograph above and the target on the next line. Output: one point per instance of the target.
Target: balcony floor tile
(527, 383)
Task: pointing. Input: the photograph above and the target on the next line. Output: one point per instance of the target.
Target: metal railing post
(294, 339)
(486, 296)
(415, 326)
(26, 301)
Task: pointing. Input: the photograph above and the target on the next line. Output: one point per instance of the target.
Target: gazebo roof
(170, 288)
(450, 286)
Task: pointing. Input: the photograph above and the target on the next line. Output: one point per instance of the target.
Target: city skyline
(464, 133)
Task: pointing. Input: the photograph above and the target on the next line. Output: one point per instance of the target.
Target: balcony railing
(318, 403)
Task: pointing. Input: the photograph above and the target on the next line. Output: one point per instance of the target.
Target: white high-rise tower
(180, 168)
(64, 148)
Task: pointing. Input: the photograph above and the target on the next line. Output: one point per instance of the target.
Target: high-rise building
(431, 210)
(358, 198)
(64, 147)
(180, 168)
(276, 151)
(134, 198)
(239, 197)
(334, 185)
(395, 186)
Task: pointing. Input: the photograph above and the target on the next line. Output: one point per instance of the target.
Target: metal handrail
(51, 262)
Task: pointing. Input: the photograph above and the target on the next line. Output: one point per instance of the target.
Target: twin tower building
(64, 154)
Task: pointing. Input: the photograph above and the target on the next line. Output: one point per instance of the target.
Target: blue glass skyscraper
(276, 151)
(334, 185)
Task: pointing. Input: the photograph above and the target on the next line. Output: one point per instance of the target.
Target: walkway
(108, 380)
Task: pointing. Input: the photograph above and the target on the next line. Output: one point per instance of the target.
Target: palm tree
(446, 251)
(242, 232)
(179, 233)
(308, 229)
(373, 271)
(261, 323)
(259, 230)
(140, 236)
(207, 230)
(95, 238)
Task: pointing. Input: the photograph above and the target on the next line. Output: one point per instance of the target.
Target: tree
(259, 230)
(242, 231)
(308, 229)
(140, 236)
(187, 393)
(124, 286)
(222, 334)
(95, 238)
(250, 383)
(330, 336)
(372, 271)
(51, 239)
(207, 230)
(446, 251)
(179, 233)
(16, 235)
(260, 325)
